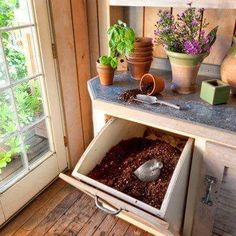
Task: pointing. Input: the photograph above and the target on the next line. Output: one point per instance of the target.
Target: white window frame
(27, 184)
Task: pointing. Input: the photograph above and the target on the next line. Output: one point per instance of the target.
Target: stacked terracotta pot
(139, 62)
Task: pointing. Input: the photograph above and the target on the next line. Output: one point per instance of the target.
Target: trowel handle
(169, 104)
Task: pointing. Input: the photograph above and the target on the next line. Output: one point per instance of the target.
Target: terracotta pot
(105, 73)
(142, 42)
(184, 71)
(152, 84)
(138, 69)
(144, 49)
(141, 54)
(139, 59)
(228, 68)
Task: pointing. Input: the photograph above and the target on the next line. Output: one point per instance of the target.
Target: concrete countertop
(194, 109)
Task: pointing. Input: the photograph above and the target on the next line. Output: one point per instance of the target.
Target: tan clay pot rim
(142, 53)
(99, 65)
(143, 58)
(143, 40)
(142, 49)
(153, 79)
(139, 63)
(185, 55)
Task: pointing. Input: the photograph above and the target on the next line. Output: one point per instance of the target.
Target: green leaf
(121, 39)
(114, 62)
(105, 60)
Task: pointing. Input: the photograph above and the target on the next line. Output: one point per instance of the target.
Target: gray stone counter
(194, 109)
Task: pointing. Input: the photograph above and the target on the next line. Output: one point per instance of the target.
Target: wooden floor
(63, 210)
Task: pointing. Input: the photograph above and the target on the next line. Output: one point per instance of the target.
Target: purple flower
(192, 47)
(194, 23)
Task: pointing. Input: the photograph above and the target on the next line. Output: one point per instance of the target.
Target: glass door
(31, 127)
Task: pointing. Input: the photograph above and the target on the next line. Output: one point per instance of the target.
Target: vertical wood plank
(93, 29)
(149, 27)
(79, 16)
(104, 22)
(63, 32)
(226, 21)
(116, 13)
(134, 17)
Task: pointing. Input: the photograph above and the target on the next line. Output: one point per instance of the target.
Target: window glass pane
(10, 158)
(7, 117)
(13, 13)
(36, 141)
(20, 53)
(3, 72)
(28, 102)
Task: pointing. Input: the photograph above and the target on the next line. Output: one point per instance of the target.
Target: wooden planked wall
(143, 20)
(70, 30)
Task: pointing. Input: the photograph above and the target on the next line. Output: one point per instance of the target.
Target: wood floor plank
(106, 226)
(87, 210)
(61, 210)
(44, 211)
(93, 223)
(120, 228)
(134, 231)
(74, 219)
(33, 207)
(56, 213)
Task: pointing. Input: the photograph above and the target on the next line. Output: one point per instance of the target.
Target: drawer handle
(101, 207)
(210, 180)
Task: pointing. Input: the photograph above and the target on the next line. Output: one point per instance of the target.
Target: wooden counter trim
(182, 127)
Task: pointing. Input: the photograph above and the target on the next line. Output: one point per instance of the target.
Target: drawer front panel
(126, 211)
(216, 204)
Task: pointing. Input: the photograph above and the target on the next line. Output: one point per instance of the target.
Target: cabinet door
(215, 212)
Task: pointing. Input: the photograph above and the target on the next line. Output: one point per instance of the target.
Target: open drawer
(172, 207)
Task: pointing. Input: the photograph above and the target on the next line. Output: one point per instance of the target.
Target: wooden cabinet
(215, 212)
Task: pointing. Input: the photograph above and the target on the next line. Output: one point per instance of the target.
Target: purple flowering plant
(184, 33)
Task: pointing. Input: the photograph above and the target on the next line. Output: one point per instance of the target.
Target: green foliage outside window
(27, 96)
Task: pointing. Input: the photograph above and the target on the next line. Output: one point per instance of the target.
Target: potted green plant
(186, 44)
(121, 42)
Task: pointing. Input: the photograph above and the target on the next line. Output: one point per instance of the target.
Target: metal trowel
(154, 100)
(149, 171)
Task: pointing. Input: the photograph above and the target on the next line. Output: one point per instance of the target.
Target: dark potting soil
(117, 167)
(147, 88)
(129, 95)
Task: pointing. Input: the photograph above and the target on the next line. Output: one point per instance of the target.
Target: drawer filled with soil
(117, 168)
(122, 146)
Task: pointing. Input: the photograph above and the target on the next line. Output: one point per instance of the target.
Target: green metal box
(215, 92)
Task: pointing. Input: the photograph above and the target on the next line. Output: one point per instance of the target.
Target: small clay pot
(139, 59)
(151, 84)
(141, 54)
(105, 73)
(138, 69)
(141, 42)
(144, 49)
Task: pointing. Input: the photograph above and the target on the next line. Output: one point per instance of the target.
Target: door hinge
(54, 50)
(65, 141)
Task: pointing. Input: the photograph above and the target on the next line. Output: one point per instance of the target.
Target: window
(25, 139)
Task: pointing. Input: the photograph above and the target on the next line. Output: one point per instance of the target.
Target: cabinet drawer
(172, 207)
